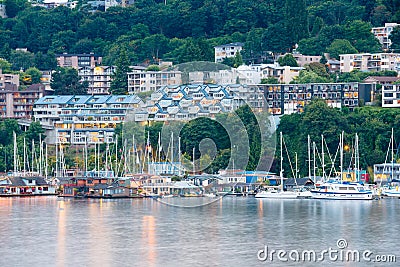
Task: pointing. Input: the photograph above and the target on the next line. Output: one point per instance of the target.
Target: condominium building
(78, 60)
(383, 34)
(391, 95)
(186, 102)
(18, 104)
(305, 59)
(83, 119)
(146, 81)
(386, 172)
(284, 74)
(292, 98)
(8, 79)
(99, 78)
(370, 62)
(227, 50)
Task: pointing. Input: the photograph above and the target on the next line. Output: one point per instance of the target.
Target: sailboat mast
(309, 155)
(15, 153)
(281, 172)
(172, 148)
(296, 174)
(56, 153)
(356, 158)
(24, 156)
(341, 156)
(46, 164)
(392, 141)
(314, 166)
(323, 157)
(179, 155)
(116, 156)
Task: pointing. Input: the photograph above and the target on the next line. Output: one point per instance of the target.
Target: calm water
(49, 231)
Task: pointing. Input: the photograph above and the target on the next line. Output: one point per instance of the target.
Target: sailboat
(392, 192)
(341, 190)
(278, 193)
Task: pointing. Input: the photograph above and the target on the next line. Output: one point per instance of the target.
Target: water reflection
(149, 239)
(61, 233)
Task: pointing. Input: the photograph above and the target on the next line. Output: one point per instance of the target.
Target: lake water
(232, 231)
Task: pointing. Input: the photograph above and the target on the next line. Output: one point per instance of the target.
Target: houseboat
(25, 186)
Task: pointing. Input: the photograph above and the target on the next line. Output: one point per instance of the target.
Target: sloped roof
(298, 181)
(386, 79)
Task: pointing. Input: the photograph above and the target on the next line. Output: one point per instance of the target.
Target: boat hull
(342, 196)
(277, 195)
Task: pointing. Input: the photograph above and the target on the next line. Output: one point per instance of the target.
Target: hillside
(183, 31)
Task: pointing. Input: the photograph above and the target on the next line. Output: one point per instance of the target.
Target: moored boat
(342, 191)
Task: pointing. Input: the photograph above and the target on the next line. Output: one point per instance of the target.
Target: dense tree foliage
(183, 31)
(65, 81)
(373, 126)
(7, 128)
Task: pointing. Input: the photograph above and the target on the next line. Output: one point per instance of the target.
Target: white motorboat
(342, 190)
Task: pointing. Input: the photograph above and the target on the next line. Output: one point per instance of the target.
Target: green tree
(7, 127)
(395, 38)
(5, 66)
(296, 21)
(65, 81)
(45, 61)
(34, 75)
(14, 6)
(360, 36)
(317, 68)
(35, 132)
(119, 83)
(288, 60)
(153, 68)
(22, 60)
(308, 76)
(269, 80)
(340, 46)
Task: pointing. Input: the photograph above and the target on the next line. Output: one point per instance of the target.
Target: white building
(370, 62)
(385, 172)
(83, 119)
(304, 59)
(383, 33)
(283, 74)
(99, 78)
(146, 81)
(227, 50)
(391, 95)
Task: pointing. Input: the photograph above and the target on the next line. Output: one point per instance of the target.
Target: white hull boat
(342, 191)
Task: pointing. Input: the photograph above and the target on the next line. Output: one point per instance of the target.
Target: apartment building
(99, 78)
(227, 50)
(186, 102)
(146, 81)
(370, 62)
(284, 74)
(78, 60)
(304, 59)
(292, 98)
(18, 104)
(8, 79)
(85, 119)
(383, 33)
(391, 95)
(386, 172)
